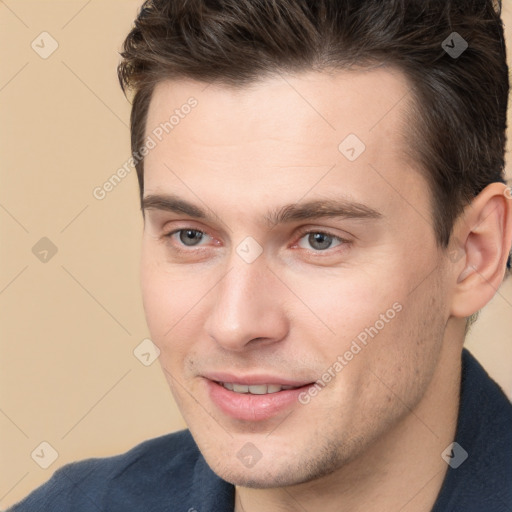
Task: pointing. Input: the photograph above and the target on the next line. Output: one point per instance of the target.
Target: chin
(263, 478)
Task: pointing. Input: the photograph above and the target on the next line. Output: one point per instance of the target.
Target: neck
(402, 470)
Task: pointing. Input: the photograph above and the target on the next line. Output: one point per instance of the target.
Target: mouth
(254, 401)
(255, 389)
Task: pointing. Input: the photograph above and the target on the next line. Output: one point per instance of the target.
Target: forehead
(365, 102)
(285, 133)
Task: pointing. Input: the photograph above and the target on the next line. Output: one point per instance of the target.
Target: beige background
(68, 375)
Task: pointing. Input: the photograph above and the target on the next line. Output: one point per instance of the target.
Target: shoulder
(487, 430)
(161, 465)
(483, 481)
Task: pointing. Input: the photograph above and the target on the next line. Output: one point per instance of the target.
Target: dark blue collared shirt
(169, 474)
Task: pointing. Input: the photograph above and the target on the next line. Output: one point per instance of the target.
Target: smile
(253, 402)
(256, 389)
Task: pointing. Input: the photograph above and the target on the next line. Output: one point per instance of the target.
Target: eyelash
(302, 233)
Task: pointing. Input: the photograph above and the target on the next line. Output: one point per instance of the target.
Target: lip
(249, 407)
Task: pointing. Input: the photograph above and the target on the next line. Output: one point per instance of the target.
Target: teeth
(257, 389)
(240, 388)
(260, 389)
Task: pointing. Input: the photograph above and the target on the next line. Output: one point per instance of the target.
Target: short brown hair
(460, 106)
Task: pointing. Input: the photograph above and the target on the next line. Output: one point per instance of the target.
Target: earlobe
(484, 232)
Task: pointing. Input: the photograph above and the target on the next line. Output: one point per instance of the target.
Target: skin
(372, 438)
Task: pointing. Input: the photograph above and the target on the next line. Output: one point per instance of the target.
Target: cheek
(402, 358)
(162, 296)
(156, 298)
(172, 302)
(383, 330)
(349, 304)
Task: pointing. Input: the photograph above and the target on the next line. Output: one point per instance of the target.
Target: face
(279, 250)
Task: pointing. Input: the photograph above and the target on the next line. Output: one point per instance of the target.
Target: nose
(247, 307)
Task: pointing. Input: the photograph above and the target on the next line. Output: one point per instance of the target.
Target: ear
(483, 237)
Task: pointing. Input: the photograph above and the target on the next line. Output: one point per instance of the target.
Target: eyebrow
(310, 210)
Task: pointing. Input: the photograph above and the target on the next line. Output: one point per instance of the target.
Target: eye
(320, 240)
(187, 237)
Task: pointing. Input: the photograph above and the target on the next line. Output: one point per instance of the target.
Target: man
(324, 215)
